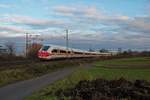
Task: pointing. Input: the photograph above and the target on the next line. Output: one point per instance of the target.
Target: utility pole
(27, 43)
(67, 40)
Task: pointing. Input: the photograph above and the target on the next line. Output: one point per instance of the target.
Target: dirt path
(19, 91)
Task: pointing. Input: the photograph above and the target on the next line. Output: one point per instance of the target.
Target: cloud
(88, 23)
(5, 34)
(33, 22)
(12, 29)
(79, 12)
(89, 17)
(88, 12)
(92, 18)
(5, 6)
(139, 24)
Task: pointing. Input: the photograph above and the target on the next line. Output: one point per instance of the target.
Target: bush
(33, 50)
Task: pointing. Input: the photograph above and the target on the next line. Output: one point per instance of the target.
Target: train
(48, 52)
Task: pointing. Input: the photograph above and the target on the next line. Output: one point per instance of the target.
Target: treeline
(128, 52)
(134, 53)
(8, 52)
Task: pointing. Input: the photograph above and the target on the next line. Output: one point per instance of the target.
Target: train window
(62, 51)
(87, 53)
(69, 51)
(78, 52)
(45, 48)
(54, 51)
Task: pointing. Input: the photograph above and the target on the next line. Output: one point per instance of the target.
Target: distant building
(113, 52)
(3, 50)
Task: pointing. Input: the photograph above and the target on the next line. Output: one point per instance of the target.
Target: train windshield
(45, 48)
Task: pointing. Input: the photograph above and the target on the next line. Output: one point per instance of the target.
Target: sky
(91, 23)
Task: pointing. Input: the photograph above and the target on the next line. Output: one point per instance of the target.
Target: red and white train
(48, 52)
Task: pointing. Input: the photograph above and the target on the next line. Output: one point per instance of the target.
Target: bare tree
(11, 48)
(33, 50)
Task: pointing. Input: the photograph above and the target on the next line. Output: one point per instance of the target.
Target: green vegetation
(129, 68)
(14, 73)
(136, 62)
(48, 93)
(102, 69)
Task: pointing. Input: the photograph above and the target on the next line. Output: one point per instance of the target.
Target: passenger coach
(55, 52)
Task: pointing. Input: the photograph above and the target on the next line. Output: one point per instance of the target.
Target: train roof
(70, 49)
(64, 48)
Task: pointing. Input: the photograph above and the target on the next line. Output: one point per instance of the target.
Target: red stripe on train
(43, 54)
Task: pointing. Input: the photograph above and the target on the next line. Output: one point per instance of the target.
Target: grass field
(129, 68)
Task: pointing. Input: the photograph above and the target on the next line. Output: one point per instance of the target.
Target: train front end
(44, 53)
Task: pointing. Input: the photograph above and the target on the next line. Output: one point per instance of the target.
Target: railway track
(13, 64)
(5, 63)
(10, 63)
